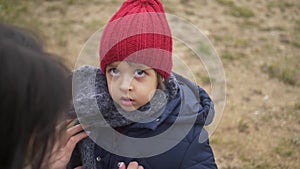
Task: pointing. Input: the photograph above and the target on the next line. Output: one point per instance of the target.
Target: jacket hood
(195, 102)
(186, 102)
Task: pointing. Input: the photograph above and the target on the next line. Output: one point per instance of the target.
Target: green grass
(70, 2)
(241, 11)
(170, 9)
(205, 80)
(62, 40)
(190, 12)
(11, 11)
(263, 165)
(241, 42)
(228, 55)
(287, 76)
(94, 24)
(204, 47)
(56, 8)
(226, 2)
(243, 126)
(17, 13)
(216, 140)
(286, 71)
(237, 11)
(275, 28)
(282, 5)
(297, 106)
(249, 24)
(258, 164)
(266, 118)
(285, 148)
(296, 25)
(217, 37)
(295, 44)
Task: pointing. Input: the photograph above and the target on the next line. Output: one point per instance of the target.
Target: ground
(258, 42)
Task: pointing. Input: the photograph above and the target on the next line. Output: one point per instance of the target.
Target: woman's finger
(131, 165)
(134, 165)
(72, 143)
(121, 165)
(80, 167)
(63, 141)
(75, 129)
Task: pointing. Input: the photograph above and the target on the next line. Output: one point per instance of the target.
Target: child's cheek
(151, 94)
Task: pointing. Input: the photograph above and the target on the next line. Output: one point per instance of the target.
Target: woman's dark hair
(34, 92)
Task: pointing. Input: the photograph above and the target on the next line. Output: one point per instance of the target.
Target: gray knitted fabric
(86, 149)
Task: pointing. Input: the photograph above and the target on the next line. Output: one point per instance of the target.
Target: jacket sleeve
(199, 155)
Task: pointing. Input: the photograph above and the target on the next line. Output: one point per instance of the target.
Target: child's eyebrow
(140, 66)
(113, 65)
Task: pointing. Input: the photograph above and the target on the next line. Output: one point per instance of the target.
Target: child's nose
(126, 84)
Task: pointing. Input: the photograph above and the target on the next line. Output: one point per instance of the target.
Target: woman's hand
(131, 165)
(63, 148)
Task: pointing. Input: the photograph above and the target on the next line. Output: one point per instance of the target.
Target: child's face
(131, 85)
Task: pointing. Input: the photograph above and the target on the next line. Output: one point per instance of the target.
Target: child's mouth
(126, 101)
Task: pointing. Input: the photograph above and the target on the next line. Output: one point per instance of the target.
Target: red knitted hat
(138, 32)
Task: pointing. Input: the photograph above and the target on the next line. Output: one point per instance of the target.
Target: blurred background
(258, 42)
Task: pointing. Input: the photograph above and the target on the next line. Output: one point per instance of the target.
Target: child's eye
(114, 72)
(139, 73)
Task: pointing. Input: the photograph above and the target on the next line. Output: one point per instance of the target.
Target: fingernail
(88, 132)
(120, 164)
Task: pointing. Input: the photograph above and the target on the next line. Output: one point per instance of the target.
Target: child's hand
(131, 165)
(63, 148)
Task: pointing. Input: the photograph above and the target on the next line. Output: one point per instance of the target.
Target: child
(140, 97)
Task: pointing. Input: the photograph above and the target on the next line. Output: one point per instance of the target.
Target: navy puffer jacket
(191, 109)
